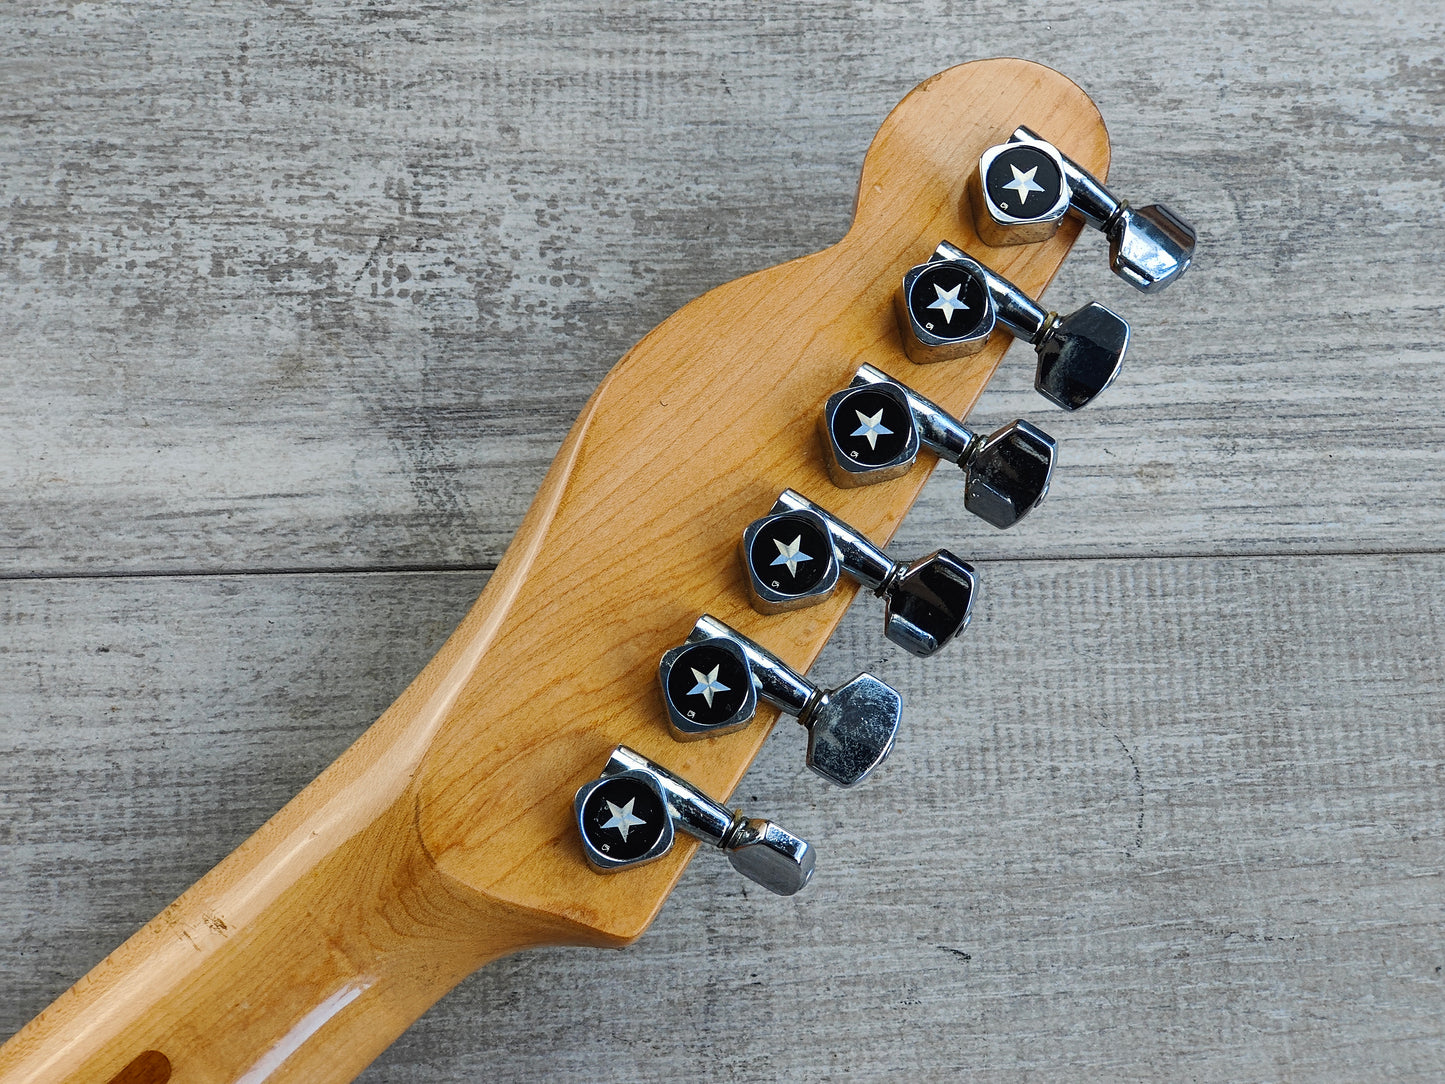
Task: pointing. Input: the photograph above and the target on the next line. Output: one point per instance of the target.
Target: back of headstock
(693, 435)
(444, 837)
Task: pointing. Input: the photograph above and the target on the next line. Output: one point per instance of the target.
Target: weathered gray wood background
(297, 301)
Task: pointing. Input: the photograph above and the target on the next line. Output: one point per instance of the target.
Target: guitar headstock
(634, 533)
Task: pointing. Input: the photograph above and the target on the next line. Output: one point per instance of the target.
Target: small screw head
(789, 561)
(1080, 356)
(869, 435)
(945, 310)
(1009, 474)
(930, 603)
(707, 688)
(624, 820)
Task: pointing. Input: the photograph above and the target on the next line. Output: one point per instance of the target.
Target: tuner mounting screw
(872, 431)
(1022, 189)
(926, 602)
(712, 683)
(629, 815)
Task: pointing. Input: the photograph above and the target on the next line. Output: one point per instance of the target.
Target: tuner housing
(997, 227)
(923, 344)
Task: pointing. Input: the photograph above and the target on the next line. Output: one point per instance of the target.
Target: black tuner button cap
(930, 603)
(1010, 474)
(708, 688)
(1080, 356)
(790, 561)
(624, 820)
(948, 301)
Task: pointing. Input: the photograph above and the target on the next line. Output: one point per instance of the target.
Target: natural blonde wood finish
(442, 839)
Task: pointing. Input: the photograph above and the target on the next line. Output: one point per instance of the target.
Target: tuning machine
(793, 557)
(629, 815)
(948, 307)
(711, 685)
(1022, 189)
(873, 429)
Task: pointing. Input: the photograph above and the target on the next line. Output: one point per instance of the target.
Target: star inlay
(707, 684)
(871, 428)
(948, 302)
(789, 555)
(622, 818)
(1024, 183)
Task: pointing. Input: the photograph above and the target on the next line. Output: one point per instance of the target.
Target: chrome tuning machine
(872, 431)
(793, 557)
(629, 815)
(1022, 189)
(948, 307)
(712, 683)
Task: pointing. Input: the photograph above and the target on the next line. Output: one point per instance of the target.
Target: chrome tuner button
(712, 683)
(872, 431)
(926, 603)
(629, 816)
(1079, 354)
(1022, 189)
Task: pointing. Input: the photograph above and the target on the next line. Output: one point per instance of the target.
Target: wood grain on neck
(443, 838)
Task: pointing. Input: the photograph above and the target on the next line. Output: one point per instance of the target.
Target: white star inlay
(1024, 183)
(948, 302)
(789, 555)
(622, 818)
(707, 684)
(872, 428)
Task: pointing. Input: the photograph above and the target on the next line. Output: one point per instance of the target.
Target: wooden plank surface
(308, 291)
(320, 290)
(1156, 818)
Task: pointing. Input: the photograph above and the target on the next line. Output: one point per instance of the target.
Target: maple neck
(308, 950)
(443, 838)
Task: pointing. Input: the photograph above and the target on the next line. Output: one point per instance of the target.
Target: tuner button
(929, 603)
(1019, 193)
(869, 434)
(944, 310)
(1009, 473)
(1149, 247)
(1022, 188)
(772, 857)
(707, 688)
(1080, 355)
(629, 815)
(851, 729)
(789, 560)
